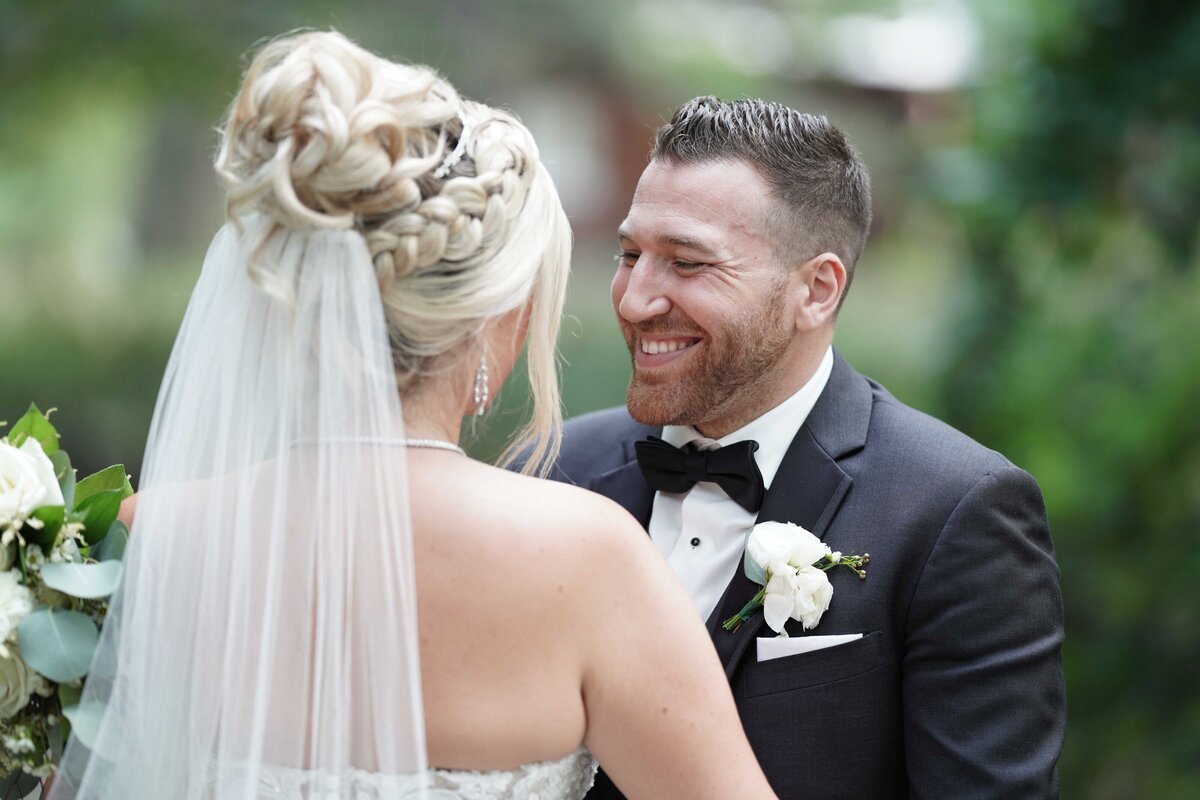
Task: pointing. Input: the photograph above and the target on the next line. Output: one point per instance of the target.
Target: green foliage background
(1033, 278)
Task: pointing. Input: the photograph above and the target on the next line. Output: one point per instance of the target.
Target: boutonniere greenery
(791, 565)
(60, 558)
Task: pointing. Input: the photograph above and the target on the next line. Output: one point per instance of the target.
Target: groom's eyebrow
(694, 245)
(675, 240)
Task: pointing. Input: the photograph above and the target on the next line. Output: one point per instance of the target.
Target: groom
(939, 675)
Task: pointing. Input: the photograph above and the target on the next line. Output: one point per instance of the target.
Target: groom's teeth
(654, 347)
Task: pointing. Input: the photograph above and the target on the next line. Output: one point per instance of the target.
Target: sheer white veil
(266, 628)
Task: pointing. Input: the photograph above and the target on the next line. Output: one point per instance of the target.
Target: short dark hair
(811, 168)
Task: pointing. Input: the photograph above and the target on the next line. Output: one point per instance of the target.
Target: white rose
(27, 481)
(801, 594)
(782, 541)
(17, 682)
(813, 595)
(15, 602)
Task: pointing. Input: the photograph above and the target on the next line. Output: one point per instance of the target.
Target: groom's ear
(817, 286)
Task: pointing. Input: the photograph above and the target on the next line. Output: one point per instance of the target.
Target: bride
(323, 594)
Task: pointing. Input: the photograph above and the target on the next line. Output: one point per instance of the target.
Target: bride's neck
(433, 410)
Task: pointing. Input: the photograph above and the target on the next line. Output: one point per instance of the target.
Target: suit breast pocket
(820, 667)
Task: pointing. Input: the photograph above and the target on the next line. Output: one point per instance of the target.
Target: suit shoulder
(597, 442)
(606, 423)
(930, 449)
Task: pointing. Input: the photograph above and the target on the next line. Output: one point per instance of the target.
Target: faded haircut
(812, 170)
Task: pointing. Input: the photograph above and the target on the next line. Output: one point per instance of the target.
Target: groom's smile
(658, 351)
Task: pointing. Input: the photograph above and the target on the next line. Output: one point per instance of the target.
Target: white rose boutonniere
(790, 564)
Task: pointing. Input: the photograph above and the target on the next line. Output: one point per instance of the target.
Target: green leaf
(65, 475)
(85, 721)
(69, 694)
(18, 784)
(87, 581)
(97, 512)
(56, 735)
(34, 424)
(106, 480)
(753, 571)
(52, 518)
(58, 644)
(112, 546)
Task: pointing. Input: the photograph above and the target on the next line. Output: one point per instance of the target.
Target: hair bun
(322, 131)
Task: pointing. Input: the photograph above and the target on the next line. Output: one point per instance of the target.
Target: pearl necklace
(434, 444)
(431, 444)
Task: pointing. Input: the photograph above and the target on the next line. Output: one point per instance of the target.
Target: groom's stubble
(726, 375)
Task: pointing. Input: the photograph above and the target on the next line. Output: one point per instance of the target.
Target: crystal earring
(481, 386)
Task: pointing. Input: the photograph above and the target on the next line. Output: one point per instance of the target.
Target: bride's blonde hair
(325, 135)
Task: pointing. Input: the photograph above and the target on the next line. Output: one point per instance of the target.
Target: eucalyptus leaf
(58, 644)
(753, 571)
(108, 479)
(85, 721)
(66, 476)
(57, 739)
(34, 424)
(112, 546)
(97, 512)
(87, 581)
(18, 785)
(69, 694)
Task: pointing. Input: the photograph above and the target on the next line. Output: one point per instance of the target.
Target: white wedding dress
(567, 778)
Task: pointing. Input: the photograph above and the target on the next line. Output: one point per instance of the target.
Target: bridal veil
(268, 610)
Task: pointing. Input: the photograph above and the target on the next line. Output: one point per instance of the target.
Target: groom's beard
(726, 370)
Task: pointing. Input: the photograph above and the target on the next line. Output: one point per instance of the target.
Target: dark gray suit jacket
(956, 688)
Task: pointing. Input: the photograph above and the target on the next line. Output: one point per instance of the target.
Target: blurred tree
(1058, 219)
(1080, 191)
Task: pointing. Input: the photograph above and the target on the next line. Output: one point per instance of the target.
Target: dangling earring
(481, 386)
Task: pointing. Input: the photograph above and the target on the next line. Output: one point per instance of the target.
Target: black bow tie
(670, 469)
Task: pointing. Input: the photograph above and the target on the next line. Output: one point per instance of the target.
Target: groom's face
(700, 296)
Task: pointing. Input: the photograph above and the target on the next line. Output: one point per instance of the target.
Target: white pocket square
(780, 646)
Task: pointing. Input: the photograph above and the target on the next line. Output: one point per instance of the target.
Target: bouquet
(60, 558)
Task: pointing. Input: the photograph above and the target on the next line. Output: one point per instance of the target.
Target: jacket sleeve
(984, 698)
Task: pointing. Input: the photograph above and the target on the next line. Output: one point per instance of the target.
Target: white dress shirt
(701, 532)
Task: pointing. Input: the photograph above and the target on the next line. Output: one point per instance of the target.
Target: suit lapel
(807, 490)
(626, 485)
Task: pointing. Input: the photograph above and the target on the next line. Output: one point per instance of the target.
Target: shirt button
(695, 541)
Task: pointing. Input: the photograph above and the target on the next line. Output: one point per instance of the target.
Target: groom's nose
(639, 293)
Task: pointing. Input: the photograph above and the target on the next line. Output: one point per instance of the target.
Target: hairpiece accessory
(481, 386)
(460, 149)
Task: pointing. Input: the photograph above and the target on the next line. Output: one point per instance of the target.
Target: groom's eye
(626, 258)
(686, 265)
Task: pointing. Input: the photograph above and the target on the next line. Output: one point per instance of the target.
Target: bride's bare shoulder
(561, 510)
(516, 517)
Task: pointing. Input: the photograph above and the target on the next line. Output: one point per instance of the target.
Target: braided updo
(324, 134)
